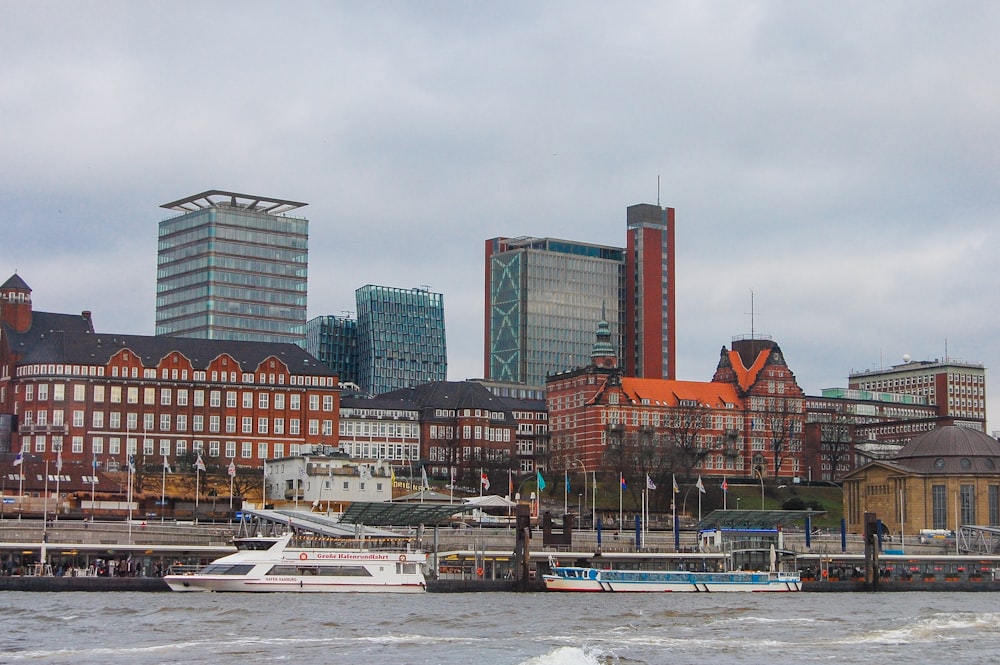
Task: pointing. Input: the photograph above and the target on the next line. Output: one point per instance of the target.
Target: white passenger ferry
(310, 564)
(573, 578)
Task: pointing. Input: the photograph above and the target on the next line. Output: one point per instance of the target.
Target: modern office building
(401, 338)
(232, 267)
(957, 389)
(543, 296)
(334, 340)
(650, 338)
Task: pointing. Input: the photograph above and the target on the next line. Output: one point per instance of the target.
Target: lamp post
(583, 467)
(761, 475)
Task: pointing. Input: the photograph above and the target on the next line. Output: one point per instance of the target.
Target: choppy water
(499, 628)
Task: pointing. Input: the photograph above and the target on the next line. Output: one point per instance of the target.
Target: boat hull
(300, 585)
(594, 579)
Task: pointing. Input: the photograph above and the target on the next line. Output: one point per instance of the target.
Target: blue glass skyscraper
(401, 338)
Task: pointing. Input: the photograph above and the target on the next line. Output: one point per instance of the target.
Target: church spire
(603, 352)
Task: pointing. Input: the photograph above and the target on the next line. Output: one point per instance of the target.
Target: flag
(266, 472)
(131, 463)
(232, 468)
(95, 464)
(566, 475)
(541, 481)
(392, 475)
(19, 460)
(199, 463)
(700, 486)
(510, 485)
(424, 483)
(59, 462)
(166, 465)
(676, 488)
(650, 485)
(622, 478)
(484, 480)
(725, 485)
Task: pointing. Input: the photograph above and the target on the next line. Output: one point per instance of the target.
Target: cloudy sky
(840, 161)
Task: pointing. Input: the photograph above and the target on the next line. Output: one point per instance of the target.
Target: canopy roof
(753, 519)
(376, 513)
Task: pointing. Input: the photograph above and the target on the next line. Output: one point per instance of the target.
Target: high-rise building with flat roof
(232, 267)
(650, 340)
(401, 338)
(334, 340)
(544, 296)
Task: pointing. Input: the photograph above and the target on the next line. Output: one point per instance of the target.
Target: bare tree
(784, 430)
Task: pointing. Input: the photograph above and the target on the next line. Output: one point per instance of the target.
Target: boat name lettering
(348, 555)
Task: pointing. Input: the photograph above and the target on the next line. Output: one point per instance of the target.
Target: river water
(499, 628)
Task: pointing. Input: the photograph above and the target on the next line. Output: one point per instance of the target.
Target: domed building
(942, 479)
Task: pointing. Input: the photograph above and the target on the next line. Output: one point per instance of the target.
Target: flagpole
(565, 491)
(163, 489)
(593, 502)
(58, 474)
(621, 491)
(263, 486)
(20, 485)
(131, 461)
(93, 486)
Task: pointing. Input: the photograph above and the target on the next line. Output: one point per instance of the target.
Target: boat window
(226, 569)
(406, 568)
(346, 571)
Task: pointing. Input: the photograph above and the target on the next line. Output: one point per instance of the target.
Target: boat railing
(310, 541)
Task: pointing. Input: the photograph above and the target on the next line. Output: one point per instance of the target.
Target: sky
(835, 167)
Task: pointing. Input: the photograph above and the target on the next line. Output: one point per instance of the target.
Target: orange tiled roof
(747, 377)
(660, 392)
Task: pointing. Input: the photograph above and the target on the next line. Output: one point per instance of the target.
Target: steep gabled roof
(748, 376)
(15, 282)
(451, 395)
(661, 392)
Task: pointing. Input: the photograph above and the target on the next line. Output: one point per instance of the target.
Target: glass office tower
(334, 341)
(401, 340)
(234, 267)
(543, 298)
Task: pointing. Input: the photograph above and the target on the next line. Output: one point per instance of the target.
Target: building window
(967, 513)
(230, 449)
(262, 400)
(80, 393)
(248, 425)
(939, 507)
(164, 422)
(182, 397)
(994, 501)
(213, 448)
(166, 396)
(231, 424)
(247, 450)
(247, 400)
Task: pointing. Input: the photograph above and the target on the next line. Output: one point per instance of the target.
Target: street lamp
(760, 473)
(583, 467)
(737, 503)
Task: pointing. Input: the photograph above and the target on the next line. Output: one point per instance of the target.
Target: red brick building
(748, 421)
(100, 398)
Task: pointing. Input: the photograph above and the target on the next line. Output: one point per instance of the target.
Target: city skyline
(838, 162)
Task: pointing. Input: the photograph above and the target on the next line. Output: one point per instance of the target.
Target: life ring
(479, 571)
(303, 556)
(402, 557)
(824, 574)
